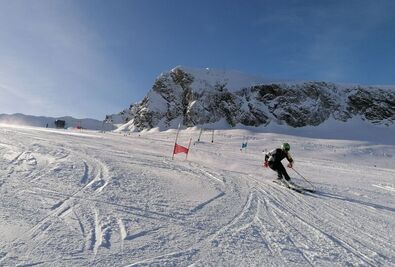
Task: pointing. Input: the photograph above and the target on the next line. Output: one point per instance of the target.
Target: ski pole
(303, 177)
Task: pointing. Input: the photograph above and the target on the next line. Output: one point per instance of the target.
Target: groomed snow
(73, 198)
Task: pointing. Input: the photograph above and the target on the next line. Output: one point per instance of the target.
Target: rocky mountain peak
(204, 96)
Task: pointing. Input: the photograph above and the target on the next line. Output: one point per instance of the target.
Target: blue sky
(90, 58)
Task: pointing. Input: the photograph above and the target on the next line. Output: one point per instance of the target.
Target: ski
(294, 187)
(286, 185)
(309, 190)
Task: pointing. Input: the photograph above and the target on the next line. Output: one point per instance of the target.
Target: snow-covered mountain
(71, 198)
(40, 121)
(205, 96)
(93, 199)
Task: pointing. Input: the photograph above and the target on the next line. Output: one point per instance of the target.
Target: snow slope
(93, 199)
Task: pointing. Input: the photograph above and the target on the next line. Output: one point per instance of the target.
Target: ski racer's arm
(290, 159)
(268, 155)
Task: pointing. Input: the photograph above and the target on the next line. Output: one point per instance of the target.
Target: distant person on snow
(273, 160)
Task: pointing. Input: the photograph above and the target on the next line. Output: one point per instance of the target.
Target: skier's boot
(291, 184)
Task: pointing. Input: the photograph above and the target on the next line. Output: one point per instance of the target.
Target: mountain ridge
(198, 97)
(43, 121)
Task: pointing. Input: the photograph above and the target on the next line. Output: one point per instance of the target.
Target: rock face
(204, 96)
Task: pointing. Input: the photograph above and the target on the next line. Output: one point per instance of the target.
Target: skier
(273, 160)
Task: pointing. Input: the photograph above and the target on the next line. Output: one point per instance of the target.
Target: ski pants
(279, 168)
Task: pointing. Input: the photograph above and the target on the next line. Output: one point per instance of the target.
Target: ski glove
(266, 164)
(289, 165)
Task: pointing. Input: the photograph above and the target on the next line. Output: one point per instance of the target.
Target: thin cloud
(51, 52)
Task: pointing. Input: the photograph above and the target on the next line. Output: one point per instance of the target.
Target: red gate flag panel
(180, 149)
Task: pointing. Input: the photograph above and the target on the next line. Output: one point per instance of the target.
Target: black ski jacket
(277, 155)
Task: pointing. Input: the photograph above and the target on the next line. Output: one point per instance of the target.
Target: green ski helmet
(285, 147)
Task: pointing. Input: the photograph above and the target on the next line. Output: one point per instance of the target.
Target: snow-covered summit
(208, 79)
(205, 96)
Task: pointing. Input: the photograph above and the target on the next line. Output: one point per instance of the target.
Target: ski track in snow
(385, 187)
(77, 200)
